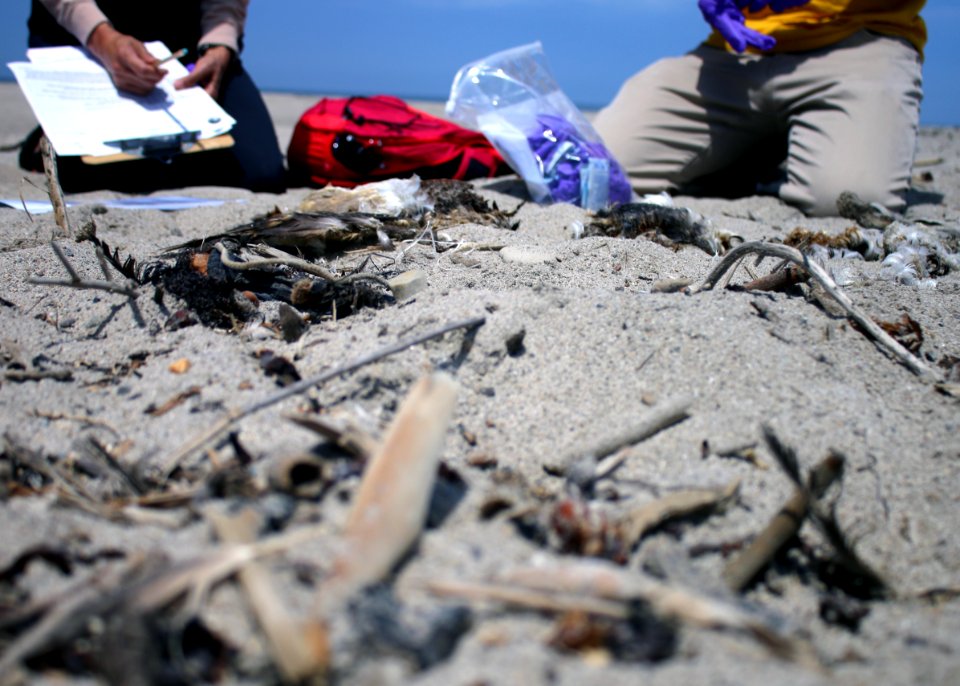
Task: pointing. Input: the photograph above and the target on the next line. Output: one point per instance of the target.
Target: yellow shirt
(820, 23)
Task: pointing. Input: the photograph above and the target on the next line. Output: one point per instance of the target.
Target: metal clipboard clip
(161, 147)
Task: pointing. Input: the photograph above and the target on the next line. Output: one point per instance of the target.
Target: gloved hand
(726, 16)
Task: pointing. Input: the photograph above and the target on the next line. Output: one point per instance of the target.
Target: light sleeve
(222, 22)
(79, 17)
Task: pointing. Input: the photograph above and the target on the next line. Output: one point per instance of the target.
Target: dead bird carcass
(439, 202)
(278, 255)
(660, 222)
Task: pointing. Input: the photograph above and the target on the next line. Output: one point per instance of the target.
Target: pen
(182, 52)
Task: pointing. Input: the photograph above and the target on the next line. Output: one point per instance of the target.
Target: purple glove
(726, 16)
(562, 152)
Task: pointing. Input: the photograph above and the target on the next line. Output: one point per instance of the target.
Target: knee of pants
(644, 184)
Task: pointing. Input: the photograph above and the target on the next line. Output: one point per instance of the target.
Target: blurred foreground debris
(390, 507)
(600, 588)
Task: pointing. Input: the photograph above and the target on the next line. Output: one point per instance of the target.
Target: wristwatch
(203, 47)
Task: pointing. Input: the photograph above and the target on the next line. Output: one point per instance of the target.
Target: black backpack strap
(360, 120)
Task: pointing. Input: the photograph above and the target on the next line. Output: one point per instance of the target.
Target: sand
(599, 351)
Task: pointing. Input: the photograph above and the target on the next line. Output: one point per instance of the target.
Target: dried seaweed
(457, 202)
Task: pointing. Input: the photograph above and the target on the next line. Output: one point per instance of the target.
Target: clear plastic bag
(512, 98)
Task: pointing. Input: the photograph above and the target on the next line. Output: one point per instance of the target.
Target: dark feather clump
(311, 233)
(669, 225)
(457, 202)
(127, 266)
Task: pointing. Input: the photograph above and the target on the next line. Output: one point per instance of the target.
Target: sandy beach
(576, 344)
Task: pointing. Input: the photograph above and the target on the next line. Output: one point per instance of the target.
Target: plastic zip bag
(512, 98)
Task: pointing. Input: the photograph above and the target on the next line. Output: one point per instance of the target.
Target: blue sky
(413, 48)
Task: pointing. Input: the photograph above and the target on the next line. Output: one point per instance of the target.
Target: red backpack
(349, 141)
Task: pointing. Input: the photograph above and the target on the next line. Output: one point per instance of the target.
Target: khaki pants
(847, 115)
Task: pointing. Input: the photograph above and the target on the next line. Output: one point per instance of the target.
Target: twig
(66, 618)
(468, 246)
(527, 597)
(659, 418)
(172, 462)
(128, 289)
(37, 374)
(106, 592)
(92, 421)
(54, 472)
(820, 275)
(53, 186)
(347, 435)
(779, 280)
(128, 480)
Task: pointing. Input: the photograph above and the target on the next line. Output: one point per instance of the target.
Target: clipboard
(85, 116)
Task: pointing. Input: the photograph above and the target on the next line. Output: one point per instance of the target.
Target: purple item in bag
(563, 154)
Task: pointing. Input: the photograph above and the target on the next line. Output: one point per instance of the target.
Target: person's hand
(726, 16)
(209, 71)
(130, 65)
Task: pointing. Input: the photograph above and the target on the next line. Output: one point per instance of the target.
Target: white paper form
(81, 110)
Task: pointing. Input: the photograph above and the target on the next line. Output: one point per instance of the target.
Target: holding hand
(726, 16)
(209, 70)
(130, 65)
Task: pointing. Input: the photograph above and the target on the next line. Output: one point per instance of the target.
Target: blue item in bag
(564, 157)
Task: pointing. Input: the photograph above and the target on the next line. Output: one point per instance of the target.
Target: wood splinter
(391, 504)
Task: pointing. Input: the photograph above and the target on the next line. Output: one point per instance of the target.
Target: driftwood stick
(779, 280)
(53, 186)
(820, 275)
(62, 256)
(348, 435)
(37, 374)
(90, 421)
(661, 417)
(297, 654)
(638, 521)
(744, 568)
(84, 284)
(67, 617)
(601, 587)
(173, 461)
(209, 568)
(529, 597)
